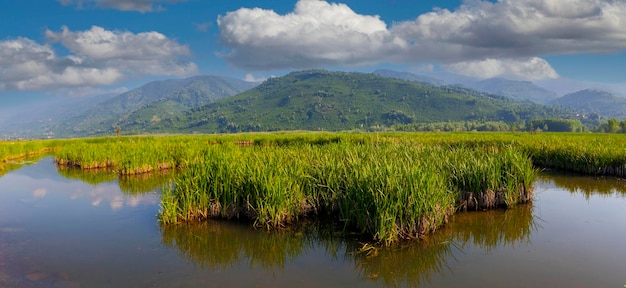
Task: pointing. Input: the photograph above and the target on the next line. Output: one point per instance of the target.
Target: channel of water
(68, 228)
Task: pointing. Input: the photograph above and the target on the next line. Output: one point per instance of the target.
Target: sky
(82, 47)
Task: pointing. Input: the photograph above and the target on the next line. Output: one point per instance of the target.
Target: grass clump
(391, 191)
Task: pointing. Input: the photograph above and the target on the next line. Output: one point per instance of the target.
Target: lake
(68, 228)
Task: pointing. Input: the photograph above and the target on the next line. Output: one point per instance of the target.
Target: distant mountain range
(152, 102)
(519, 90)
(311, 100)
(323, 100)
(594, 101)
(41, 119)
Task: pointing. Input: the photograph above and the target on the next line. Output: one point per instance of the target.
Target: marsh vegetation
(388, 186)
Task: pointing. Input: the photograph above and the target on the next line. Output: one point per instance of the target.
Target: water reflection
(416, 263)
(219, 245)
(129, 184)
(588, 186)
(145, 183)
(6, 167)
(34, 201)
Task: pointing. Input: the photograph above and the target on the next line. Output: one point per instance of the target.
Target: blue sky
(51, 47)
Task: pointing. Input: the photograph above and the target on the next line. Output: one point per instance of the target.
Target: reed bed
(391, 186)
(127, 156)
(14, 150)
(591, 154)
(387, 190)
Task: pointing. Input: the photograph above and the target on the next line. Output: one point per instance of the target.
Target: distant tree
(623, 125)
(613, 125)
(118, 130)
(556, 125)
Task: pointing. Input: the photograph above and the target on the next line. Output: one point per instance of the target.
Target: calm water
(73, 229)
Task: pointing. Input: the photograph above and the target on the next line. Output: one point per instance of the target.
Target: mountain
(594, 101)
(409, 77)
(453, 78)
(155, 100)
(563, 86)
(323, 100)
(39, 120)
(519, 90)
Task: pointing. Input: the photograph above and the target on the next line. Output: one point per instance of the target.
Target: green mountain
(323, 100)
(152, 102)
(409, 77)
(592, 101)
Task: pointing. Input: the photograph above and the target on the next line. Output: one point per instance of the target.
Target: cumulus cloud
(148, 52)
(514, 32)
(315, 33)
(98, 57)
(27, 65)
(526, 69)
(124, 5)
(519, 28)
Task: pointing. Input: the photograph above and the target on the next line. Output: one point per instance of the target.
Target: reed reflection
(129, 184)
(588, 186)
(219, 245)
(415, 263)
(225, 245)
(7, 166)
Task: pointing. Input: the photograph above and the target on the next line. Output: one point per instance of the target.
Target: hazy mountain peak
(515, 89)
(164, 97)
(594, 100)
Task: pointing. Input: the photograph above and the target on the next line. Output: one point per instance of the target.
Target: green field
(389, 187)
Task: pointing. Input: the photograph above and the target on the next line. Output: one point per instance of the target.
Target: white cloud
(250, 78)
(98, 57)
(318, 33)
(124, 5)
(27, 65)
(149, 52)
(315, 33)
(524, 69)
(518, 28)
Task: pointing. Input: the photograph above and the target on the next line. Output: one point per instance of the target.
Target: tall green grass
(13, 150)
(391, 186)
(391, 191)
(127, 155)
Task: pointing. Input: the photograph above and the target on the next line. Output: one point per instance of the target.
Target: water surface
(67, 228)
